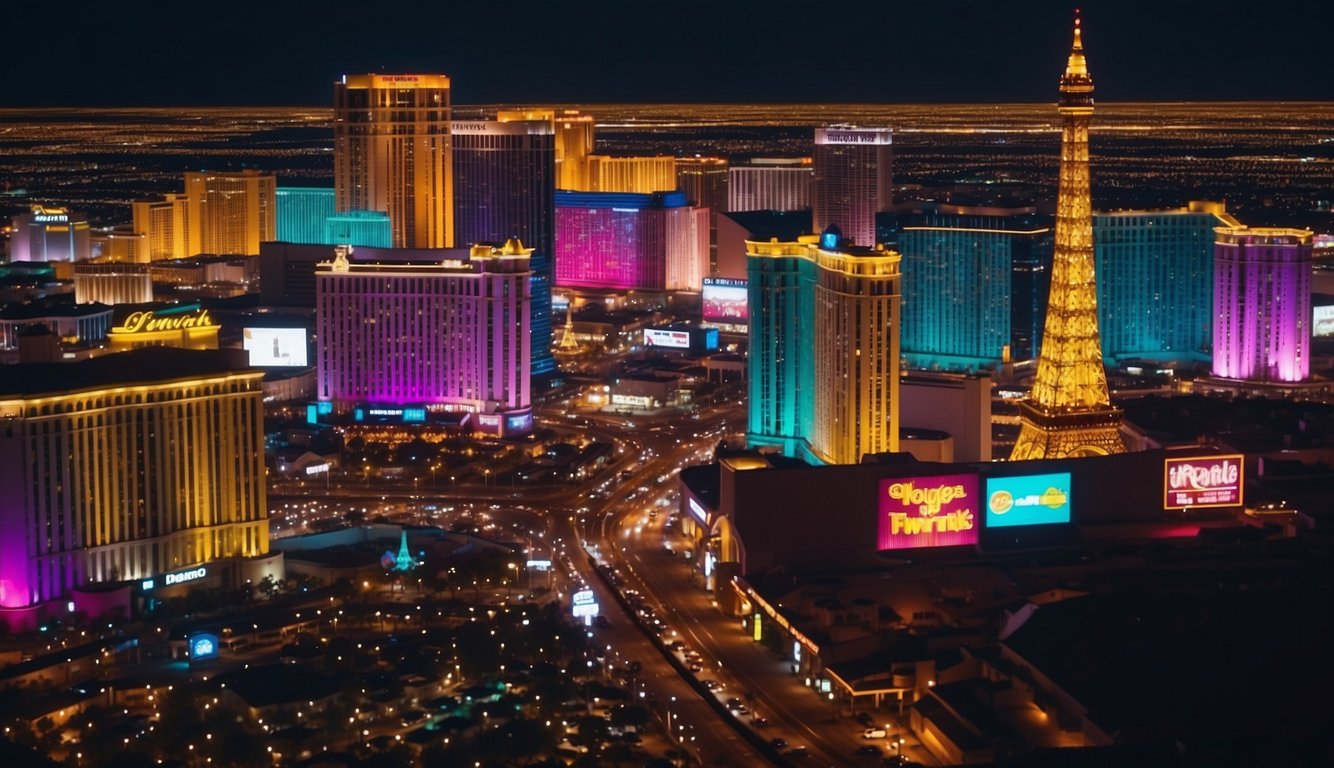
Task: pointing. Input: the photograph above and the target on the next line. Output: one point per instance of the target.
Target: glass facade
(504, 186)
(974, 284)
(302, 213)
(1155, 282)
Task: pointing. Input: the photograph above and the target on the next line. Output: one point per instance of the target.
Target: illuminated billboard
(659, 337)
(725, 300)
(1202, 481)
(1322, 321)
(1028, 500)
(270, 347)
(203, 646)
(938, 511)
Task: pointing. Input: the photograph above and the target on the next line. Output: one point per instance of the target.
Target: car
(868, 749)
(865, 719)
(695, 666)
(761, 722)
(778, 743)
(712, 685)
(874, 733)
(799, 751)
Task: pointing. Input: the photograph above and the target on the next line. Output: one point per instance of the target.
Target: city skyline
(914, 55)
(921, 435)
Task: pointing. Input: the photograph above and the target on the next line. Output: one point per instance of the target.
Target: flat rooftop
(149, 365)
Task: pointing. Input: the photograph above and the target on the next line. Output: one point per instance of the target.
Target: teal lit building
(823, 365)
(781, 377)
(306, 215)
(975, 283)
(1155, 282)
(361, 228)
(302, 212)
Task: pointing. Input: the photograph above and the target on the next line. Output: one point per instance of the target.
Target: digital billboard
(1322, 321)
(938, 511)
(725, 300)
(1028, 500)
(203, 646)
(659, 337)
(270, 347)
(1202, 481)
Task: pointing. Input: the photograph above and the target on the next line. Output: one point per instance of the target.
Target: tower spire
(1076, 66)
(1069, 412)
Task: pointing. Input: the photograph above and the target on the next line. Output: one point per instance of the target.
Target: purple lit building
(442, 331)
(1262, 304)
(629, 241)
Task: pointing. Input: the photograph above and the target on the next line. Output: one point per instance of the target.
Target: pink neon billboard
(1203, 481)
(938, 511)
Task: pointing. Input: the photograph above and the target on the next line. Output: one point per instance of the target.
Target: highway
(630, 540)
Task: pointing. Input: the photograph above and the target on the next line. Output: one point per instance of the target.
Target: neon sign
(928, 512)
(180, 577)
(1202, 481)
(149, 322)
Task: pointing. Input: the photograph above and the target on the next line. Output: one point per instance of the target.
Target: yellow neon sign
(149, 322)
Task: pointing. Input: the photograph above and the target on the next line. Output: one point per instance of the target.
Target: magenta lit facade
(1262, 304)
(451, 334)
(621, 242)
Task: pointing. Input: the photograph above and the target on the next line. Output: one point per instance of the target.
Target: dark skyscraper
(504, 186)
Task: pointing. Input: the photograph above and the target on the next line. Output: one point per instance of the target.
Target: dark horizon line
(538, 104)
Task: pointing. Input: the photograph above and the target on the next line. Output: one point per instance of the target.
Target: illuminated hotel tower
(232, 212)
(128, 467)
(854, 180)
(434, 334)
(1262, 304)
(504, 186)
(824, 359)
(1068, 412)
(392, 154)
(1156, 281)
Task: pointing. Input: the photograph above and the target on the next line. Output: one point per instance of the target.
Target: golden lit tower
(392, 154)
(1069, 413)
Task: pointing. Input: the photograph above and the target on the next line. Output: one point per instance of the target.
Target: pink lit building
(405, 339)
(627, 241)
(1262, 304)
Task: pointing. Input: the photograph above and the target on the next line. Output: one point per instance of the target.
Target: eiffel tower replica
(1068, 413)
(567, 340)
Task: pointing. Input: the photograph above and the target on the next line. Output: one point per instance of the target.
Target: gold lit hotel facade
(128, 481)
(392, 153)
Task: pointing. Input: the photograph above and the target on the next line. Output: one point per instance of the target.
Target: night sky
(268, 52)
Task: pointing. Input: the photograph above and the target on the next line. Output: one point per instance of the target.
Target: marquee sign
(937, 511)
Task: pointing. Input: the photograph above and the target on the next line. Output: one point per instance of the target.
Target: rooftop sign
(934, 511)
(1203, 481)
